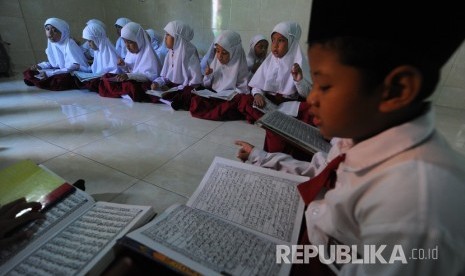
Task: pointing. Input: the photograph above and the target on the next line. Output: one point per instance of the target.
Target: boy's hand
(259, 100)
(244, 151)
(296, 72)
(9, 220)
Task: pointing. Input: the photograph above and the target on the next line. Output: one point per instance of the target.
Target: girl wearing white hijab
(274, 76)
(158, 44)
(89, 52)
(182, 65)
(105, 57)
(141, 64)
(258, 48)
(64, 56)
(119, 46)
(228, 71)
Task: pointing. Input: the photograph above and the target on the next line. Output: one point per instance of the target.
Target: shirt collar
(387, 143)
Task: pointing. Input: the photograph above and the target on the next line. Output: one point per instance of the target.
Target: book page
(203, 93)
(78, 247)
(160, 93)
(290, 108)
(305, 135)
(85, 76)
(269, 106)
(209, 245)
(263, 200)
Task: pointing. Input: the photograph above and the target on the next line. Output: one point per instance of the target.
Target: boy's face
(52, 33)
(340, 106)
(169, 41)
(279, 45)
(131, 45)
(222, 55)
(261, 48)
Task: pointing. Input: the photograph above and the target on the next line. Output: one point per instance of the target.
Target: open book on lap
(226, 95)
(303, 135)
(232, 223)
(161, 93)
(85, 76)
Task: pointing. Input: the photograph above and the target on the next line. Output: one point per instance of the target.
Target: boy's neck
(399, 117)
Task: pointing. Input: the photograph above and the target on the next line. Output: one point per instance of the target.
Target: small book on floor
(295, 131)
(226, 95)
(160, 93)
(230, 225)
(77, 235)
(85, 76)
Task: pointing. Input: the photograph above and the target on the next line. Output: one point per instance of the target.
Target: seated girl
(139, 67)
(64, 56)
(88, 51)
(257, 53)
(181, 68)
(105, 57)
(120, 46)
(228, 71)
(282, 77)
(158, 44)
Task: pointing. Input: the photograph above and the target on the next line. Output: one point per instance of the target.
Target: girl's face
(261, 48)
(131, 45)
(118, 30)
(222, 55)
(338, 100)
(279, 45)
(169, 41)
(52, 33)
(92, 45)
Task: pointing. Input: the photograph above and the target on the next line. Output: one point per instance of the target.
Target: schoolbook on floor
(230, 225)
(77, 235)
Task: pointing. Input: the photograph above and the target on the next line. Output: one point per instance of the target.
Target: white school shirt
(232, 75)
(144, 65)
(182, 63)
(404, 186)
(65, 55)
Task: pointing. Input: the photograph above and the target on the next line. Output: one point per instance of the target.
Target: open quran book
(75, 238)
(160, 93)
(85, 76)
(226, 95)
(295, 131)
(231, 224)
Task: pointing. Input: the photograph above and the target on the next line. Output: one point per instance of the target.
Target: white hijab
(64, 53)
(158, 44)
(98, 22)
(145, 61)
(251, 57)
(233, 74)
(182, 64)
(105, 57)
(274, 75)
(119, 46)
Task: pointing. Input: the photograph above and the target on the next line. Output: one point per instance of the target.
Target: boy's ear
(401, 87)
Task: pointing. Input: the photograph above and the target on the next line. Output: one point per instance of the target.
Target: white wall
(21, 24)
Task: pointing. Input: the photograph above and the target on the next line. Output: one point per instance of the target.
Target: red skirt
(216, 109)
(58, 82)
(135, 90)
(91, 85)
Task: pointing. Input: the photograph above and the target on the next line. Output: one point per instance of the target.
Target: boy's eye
(325, 87)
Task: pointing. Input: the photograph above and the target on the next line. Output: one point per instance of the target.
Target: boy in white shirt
(399, 185)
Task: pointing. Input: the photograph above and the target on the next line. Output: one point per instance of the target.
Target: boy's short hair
(377, 36)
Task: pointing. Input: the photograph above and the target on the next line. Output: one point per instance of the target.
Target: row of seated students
(145, 62)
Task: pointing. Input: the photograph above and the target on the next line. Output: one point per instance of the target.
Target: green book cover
(26, 179)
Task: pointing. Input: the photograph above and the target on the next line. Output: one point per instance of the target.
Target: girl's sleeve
(303, 87)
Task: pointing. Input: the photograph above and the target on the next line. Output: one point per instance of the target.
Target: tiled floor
(137, 153)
